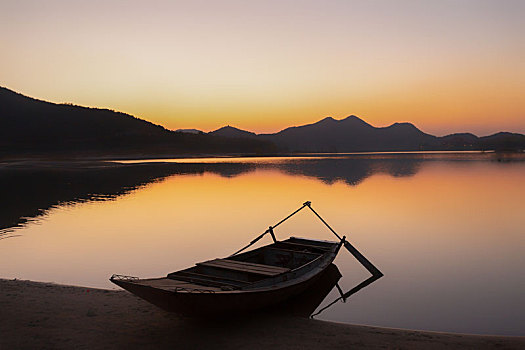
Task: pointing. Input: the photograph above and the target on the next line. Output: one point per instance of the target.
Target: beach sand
(38, 315)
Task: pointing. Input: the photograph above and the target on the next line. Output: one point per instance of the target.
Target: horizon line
(254, 132)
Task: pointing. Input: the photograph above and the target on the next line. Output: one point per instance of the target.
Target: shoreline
(108, 156)
(48, 315)
(115, 162)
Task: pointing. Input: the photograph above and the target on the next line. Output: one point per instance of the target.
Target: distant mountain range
(353, 134)
(30, 126)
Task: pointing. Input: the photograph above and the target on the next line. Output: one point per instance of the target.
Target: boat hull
(299, 299)
(265, 277)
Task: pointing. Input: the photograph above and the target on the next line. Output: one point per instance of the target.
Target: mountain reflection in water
(29, 190)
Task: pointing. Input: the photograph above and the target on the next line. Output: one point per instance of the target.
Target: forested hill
(31, 126)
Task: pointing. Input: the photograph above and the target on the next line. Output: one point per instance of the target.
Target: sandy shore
(50, 316)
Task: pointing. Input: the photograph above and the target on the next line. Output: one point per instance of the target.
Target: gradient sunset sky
(446, 66)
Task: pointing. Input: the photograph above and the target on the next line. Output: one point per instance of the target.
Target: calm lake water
(447, 230)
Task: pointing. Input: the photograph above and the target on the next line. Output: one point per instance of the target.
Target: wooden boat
(243, 282)
(248, 281)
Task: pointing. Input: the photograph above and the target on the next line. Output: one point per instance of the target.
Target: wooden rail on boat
(259, 269)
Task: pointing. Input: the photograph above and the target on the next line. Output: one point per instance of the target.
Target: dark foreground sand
(49, 316)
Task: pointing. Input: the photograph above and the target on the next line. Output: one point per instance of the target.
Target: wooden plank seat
(259, 269)
(291, 251)
(298, 246)
(213, 277)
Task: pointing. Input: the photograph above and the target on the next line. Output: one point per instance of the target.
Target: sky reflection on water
(447, 233)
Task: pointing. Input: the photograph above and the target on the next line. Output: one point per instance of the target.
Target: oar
(360, 257)
(376, 274)
(354, 290)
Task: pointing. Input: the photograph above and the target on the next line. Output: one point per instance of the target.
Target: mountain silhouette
(29, 126)
(353, 134)
(230, 131)
(503, 141)
(33, 127)
(26, 121)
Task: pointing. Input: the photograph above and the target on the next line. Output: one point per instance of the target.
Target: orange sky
(447, 66)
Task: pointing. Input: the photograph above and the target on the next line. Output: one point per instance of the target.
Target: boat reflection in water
(305, 304)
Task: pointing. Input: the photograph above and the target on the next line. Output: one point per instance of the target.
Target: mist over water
(446, 230)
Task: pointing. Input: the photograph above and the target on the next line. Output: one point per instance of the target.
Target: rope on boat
(374, 271)
(270, 229)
